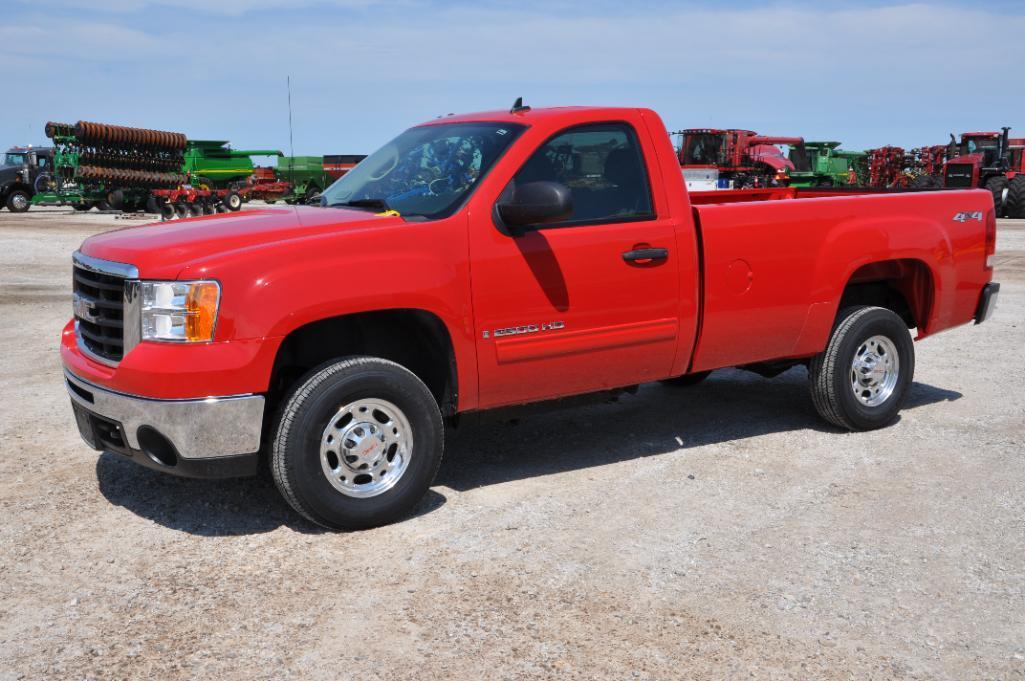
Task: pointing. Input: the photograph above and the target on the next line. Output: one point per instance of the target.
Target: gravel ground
(715, 532)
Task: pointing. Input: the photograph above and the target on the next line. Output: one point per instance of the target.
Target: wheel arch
(415, 338)
(905, 285)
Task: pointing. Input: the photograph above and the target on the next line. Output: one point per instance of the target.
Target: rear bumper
(212, 437)
(987, 302)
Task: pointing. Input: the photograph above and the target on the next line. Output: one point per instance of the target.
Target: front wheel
(357, 444)
(18, 201)
(859, 382)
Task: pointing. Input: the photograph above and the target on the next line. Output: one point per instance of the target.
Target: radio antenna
(291, 147)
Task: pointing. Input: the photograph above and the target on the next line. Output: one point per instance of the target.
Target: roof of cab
(527, 116)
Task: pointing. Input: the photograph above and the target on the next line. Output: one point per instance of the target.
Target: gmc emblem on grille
(83, 309)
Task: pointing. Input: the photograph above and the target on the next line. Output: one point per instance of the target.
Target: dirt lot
(715, 532)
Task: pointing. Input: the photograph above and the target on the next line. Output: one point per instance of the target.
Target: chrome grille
(98, 297)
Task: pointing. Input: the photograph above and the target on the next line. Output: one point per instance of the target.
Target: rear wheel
(860, 381)
(997, 185)
(357, 444)
(1015, 206)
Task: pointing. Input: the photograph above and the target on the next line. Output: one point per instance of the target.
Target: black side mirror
(537, 203)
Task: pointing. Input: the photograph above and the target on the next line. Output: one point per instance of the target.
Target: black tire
(831, 371)
(152, 204)
(181, 210)
(102, 205)
(1015, 206)
(295, 452)
(926, 182)
(116, 199)
(18, 201)
(167, 211)
(687, 379)
(83, 207)
(996, 185)
(195, 210)
(232, 201)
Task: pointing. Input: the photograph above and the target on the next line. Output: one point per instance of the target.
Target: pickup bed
(492, 260)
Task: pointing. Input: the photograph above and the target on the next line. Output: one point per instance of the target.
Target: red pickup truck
(490, 260)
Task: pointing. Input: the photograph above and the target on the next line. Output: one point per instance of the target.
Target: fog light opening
(157, 447)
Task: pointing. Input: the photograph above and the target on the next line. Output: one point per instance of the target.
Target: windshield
(977, 145)
(426, 171)
(14, 160)
(702, 149)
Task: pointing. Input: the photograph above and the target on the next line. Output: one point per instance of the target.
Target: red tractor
(991, 160)
(742, 158)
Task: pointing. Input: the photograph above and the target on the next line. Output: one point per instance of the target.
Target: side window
(42, 161)
(603, 168)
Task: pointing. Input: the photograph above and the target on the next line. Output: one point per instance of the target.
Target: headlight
(182, 311)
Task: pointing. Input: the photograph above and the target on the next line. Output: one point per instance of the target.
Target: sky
(864, 73)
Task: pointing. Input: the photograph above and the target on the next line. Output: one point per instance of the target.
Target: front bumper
(987, 302)
(212, 437)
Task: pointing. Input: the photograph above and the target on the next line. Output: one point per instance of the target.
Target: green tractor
(824, 164)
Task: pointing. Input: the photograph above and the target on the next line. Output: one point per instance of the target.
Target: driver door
(568, 308)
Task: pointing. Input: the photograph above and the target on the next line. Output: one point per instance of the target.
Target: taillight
(991, 237)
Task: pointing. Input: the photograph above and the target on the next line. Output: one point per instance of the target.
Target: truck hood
(164, 249)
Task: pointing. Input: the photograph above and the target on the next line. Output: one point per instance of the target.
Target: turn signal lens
(201, 311)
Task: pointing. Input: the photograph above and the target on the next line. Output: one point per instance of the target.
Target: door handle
(642, 255)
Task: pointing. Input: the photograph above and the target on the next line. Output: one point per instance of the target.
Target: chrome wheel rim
(19, 201)
(366, 447)
(874, 371)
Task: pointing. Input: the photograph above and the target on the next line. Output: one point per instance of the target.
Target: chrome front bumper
(215, 427)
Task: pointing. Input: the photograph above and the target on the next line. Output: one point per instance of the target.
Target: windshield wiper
(376, 204)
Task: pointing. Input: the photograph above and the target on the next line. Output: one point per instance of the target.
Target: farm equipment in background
(993, 161)
(23, 170)
(926, 166)
(310, 175)
(888, 167)
(737, 159)
(113, 167)
(213, 164)
(824, 164)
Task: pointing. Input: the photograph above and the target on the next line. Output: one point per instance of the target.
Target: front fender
(269, 292)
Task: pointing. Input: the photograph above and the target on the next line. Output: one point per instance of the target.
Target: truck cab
(25, 172)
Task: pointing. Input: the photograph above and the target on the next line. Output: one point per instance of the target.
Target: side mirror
(537, 203)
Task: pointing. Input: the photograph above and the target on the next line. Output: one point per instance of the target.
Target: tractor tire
(195, 210)
(997, 185)
(1015, 206)
(152, 205)
(233, 201)
(926, 182)
(18, 201)
(116, 199)
(83, 207)
(181, 210)
(102, 206)
(167, 212)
